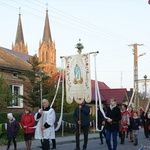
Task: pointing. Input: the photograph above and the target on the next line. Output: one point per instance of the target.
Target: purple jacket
(12, 128)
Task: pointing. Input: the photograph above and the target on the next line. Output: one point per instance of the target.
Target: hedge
(67, 118)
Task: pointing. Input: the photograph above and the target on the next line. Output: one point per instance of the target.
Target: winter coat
(12, 128)
(125, 121)
(135, 123)
(115, 115)
(85, 118)
(29, 121)
(47, 120)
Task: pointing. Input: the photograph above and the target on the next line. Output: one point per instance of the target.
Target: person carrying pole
(82, 119)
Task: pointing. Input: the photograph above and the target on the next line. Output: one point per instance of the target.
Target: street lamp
(41, 74)
(145, 85)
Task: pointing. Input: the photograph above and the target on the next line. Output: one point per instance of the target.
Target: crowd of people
(118, 120)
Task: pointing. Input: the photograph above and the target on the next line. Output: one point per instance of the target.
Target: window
(16, 91)
(43, 56)
(15, 75)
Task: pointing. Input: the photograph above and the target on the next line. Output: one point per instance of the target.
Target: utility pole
(135, 53)
(136, 97)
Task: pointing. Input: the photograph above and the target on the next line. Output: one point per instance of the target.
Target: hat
(10, 116)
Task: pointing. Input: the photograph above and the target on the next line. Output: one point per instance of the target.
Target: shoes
(121, 142)
(84, 149)
(135, 144)
(77, 149)
(53, 148)
(101, 143)
(131, 141)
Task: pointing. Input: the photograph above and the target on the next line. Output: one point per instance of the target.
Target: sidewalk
(59, 141)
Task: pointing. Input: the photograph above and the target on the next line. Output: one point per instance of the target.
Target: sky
(108, 26)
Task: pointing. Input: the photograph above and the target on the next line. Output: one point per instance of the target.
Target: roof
(47, 32)
(119, 94)
(23, 57)
(19, 34)
(12, 60)
(101, 85)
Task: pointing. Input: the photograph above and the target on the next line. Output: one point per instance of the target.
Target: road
(68, 143)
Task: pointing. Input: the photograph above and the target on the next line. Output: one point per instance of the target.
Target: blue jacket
(85, 118)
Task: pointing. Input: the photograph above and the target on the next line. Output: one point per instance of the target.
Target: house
(12, 67)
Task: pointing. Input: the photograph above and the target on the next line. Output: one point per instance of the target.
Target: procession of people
(121, 121)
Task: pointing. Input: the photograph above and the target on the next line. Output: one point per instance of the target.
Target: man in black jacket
(82, 119)
(112, 124)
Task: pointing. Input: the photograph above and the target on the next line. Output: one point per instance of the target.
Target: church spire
(47, 51)
(19, 45)
(47, 32)
(19, 34)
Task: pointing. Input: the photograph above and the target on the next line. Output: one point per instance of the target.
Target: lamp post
(40, 74)
(145, 85)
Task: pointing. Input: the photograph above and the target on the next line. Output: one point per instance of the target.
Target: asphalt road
(68, 143)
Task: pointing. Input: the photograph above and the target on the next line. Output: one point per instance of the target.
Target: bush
(69, 125)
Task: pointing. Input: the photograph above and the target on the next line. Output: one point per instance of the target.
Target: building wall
(47, 55)
(14, 80)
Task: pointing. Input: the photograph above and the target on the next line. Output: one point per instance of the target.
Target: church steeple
(19, 45)
(47, 51)
(47, 32)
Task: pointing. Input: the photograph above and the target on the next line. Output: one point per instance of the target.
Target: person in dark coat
(136, 125)
(146, 122)
(12, 128)
(112, 123)
(82, 119)
(101, 125)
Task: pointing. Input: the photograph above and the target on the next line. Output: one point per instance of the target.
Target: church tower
(47, 51)
(19, 45)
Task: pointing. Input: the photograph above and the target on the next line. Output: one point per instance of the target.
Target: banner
(78, 79)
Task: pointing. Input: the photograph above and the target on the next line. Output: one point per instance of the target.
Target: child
(12, 128)
(27, 123)
(136, 125)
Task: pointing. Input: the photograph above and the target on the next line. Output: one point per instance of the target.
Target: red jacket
(29, 121)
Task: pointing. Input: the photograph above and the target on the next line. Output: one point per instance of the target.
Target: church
(14, 61)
